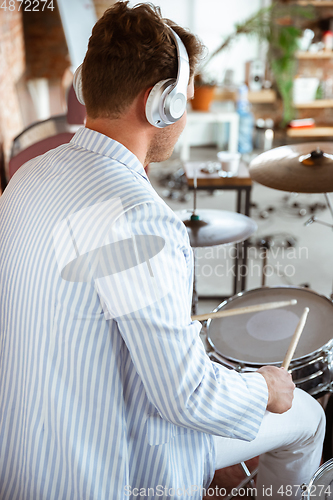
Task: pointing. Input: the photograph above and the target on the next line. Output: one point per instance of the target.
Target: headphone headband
(183, 73)
(167, 100)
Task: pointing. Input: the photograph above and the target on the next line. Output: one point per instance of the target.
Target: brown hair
(130, 49)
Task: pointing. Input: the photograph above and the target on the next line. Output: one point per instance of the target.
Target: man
(106, 391)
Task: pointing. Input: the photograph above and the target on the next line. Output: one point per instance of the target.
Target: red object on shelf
(328, 40)
(302, 123)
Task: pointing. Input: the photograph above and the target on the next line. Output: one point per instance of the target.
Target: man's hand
(280, 388)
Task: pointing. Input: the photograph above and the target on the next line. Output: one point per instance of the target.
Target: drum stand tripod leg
(264, 268)
(248, 479)
(265, 246)
(195, 293)
(329, 203)
(248, 473)
(330, 208)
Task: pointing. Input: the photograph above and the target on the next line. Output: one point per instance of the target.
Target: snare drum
(248, 341)
(321, 484)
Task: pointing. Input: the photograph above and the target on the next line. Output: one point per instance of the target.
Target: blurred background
(268, 70)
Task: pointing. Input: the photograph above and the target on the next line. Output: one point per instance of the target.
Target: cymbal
(216, 227)
(299, 168)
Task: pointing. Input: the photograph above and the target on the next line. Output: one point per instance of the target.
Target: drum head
(263, 338)
(321, 485)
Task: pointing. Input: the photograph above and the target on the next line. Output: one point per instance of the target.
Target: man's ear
(144, 101)
(146, 95)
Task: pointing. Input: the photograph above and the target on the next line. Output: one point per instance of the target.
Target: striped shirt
(106, 391)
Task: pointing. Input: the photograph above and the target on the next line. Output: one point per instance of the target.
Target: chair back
(36, 149)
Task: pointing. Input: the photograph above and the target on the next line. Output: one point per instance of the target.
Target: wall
(101, 6)
(45, 44)
(212, 20)
(32, 47)
(12, 67)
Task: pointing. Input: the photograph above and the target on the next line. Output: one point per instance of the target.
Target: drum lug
(328, 355)
(328, 358)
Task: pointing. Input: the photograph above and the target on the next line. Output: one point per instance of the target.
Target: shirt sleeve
(151, 302)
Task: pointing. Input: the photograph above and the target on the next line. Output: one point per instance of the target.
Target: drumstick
(244, 310)
(295, 339)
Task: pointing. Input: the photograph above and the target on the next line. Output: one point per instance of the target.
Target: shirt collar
(103, 145)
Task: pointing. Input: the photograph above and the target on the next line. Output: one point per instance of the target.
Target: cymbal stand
(314, 219)
(329, 203)
(265, 248)
(194, 216)
(330, 207)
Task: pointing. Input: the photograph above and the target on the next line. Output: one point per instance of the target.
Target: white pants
(289, 445)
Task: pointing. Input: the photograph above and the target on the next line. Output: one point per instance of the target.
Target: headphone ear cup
(155, 103)
(77, 84)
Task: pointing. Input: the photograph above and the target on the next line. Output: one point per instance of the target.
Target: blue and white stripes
(104, 383)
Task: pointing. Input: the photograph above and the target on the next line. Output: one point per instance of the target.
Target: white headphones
(167, 100)
(77, 84)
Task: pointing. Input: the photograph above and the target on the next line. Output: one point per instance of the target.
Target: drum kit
(249, 341)
(246, 342)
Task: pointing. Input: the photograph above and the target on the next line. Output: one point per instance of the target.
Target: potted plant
(273, 24)
(204, 91)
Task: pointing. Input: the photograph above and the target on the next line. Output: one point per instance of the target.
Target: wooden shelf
(315, 3)
(266, 96)
(323, 54)
(310, 132)
(225, 95)
(317, 104)
(315, 59)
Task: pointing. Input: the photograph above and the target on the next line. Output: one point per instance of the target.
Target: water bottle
(246, 121)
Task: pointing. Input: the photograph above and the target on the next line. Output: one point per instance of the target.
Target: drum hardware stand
(314, 219)
(248, 473)
(195, 298)
(194, 216)
(329, 203)
(249, 479)
(265, 243)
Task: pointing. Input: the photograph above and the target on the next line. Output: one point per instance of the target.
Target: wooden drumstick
(295, 338)
(245, 310)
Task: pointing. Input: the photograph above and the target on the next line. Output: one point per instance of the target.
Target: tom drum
(321, 484)
(248, 341)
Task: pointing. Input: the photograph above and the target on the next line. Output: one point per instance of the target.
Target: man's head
(129, 51)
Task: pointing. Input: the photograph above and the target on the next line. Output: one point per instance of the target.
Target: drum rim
(253, 290)
(316, 475)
